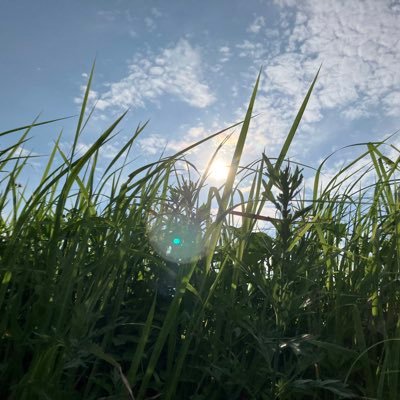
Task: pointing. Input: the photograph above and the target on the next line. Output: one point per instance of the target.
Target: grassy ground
(147, 296)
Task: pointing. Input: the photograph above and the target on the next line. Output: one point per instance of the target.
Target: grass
(146, 295)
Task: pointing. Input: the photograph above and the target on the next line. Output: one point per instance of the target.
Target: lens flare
(176, 241)
(176, 238)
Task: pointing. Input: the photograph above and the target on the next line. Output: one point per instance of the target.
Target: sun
(219, 170)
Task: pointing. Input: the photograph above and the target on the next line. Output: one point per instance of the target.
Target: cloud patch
(155, 143)
(358, 44)
(226, 54)
(176, 71)
(256, 25)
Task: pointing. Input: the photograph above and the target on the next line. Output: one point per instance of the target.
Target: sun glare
(219, 170)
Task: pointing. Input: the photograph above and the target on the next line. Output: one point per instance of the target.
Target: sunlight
(219, 170)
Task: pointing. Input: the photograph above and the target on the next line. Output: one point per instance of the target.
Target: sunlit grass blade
(28, 127)
(83, 110)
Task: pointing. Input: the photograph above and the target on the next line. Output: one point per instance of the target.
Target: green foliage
(148, 296)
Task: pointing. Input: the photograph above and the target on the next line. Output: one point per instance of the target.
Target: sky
(189, 68)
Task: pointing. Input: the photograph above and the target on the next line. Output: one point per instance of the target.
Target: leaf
(96, 350)
(330, 385)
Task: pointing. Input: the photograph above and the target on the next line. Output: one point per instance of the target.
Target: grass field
(137, 292)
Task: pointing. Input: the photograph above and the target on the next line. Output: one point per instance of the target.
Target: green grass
(89, 309)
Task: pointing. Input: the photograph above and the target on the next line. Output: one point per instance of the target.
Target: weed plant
(148, 296)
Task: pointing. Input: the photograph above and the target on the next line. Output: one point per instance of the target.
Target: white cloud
(156, 12)
(252, 50)
(22, 152)
(152, 144)
(392, 103)
(235, 90)
(80, 149)
(196, 132)
(178, 145)
(256, 25)
(155, 143)
(150, 24)
(226, 54)
(356, 111)
(109, 150)
(176, 71)
(108, 15)
(92, 97)
(359, 46)
(32, 156)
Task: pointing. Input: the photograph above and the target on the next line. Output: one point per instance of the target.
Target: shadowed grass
(92, 306)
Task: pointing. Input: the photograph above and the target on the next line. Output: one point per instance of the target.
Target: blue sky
(189, 67)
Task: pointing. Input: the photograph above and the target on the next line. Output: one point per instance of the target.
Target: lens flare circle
(176, 238)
